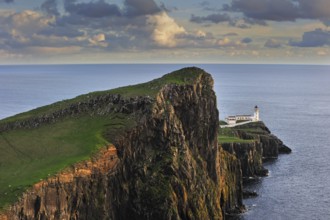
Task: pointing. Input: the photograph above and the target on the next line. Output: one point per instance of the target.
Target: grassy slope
(227, 135)
(180, 77)
(30, 155)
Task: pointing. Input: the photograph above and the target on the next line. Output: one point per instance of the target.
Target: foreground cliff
(150, 151)
(161, 161)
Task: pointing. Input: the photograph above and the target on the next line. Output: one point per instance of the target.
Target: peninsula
(148, 151)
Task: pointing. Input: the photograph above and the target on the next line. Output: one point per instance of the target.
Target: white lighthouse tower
(256, 113)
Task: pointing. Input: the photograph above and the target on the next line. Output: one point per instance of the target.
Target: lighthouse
(256, 113)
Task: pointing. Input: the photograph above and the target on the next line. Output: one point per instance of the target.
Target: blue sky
(150, 31)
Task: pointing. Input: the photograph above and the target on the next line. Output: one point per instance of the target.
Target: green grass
(228, 135)
(29, 155)
(230, 139)
(223, 123)
(180, 77)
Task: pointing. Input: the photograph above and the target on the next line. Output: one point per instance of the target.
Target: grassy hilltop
(31, 154)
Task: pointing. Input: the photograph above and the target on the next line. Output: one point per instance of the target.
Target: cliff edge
(148, 151)
(161, 161)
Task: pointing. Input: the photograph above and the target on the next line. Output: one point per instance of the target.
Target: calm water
(294, 102)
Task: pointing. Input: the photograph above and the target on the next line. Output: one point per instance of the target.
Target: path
(237, 124)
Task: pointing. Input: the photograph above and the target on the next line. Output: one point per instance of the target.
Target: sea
(294, 102)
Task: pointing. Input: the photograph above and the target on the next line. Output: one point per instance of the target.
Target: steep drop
(168, 164)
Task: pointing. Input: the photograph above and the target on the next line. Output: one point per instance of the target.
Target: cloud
(54, 50)
(326, 22)
(227, 42)
(322, 53)
(272, 43)
(246, 40)
(140, 7)
(97, 9)
(204, 3)
(101, 8)
(230, 34)
(281, 10)
(60, 32)
(165, 29)
(212, 18)
(163, 7)
(26, 29)
(224, 42)
(50, 7)
(6, 1)
(99, 26)
(98, 40)
(316, 38)
(26, 22)
(316, 9)
(138, 24)
(217, 18)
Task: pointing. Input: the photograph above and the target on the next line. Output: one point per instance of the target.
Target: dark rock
(283, 149)
(169, 166)
(250, 156)
(271, 145)
(249, 194)
(100, 105)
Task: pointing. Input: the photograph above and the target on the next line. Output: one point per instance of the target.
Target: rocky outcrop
(99, 105)
(84, 186)
(272, 146)
(231, 184)
(169, 166)
(259, 145)
(250, 156)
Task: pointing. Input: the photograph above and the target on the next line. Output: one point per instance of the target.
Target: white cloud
(29, 21)
(273, 43)
(55, 50)
(201, 34)
(227, 42)
(98, 40)
(224, 42)
(165, 29)
(322, 53)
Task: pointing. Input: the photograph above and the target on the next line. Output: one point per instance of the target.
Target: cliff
(252, 143)
(165, 164)
(272, 146)
(149, 151)
(250, 157)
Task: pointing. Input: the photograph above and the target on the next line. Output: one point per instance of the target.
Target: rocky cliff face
(230, 183)
(100, 105)
(261, 145)
(272, 146)
(167, 167)
(250, 156)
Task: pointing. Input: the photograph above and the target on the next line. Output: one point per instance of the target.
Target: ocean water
(294, 102)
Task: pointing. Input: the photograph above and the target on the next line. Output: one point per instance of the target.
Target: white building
(233, 119)
(256, 114)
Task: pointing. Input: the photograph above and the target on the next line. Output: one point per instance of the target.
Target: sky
(173, 31)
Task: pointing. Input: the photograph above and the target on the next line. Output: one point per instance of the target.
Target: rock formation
(271, 145)
(262, 146)
(168, 166)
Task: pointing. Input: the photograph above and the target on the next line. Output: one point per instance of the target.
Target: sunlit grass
(29, 155)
